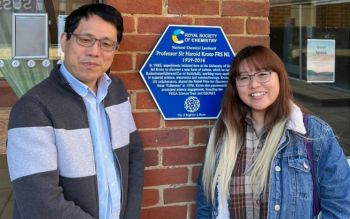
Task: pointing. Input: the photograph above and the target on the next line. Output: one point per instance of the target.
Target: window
(292, 25)
(18, 75)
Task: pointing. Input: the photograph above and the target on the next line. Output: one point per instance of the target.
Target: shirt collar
(81, 88)
(250, 126)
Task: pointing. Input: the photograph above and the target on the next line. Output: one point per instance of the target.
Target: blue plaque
(187, 71)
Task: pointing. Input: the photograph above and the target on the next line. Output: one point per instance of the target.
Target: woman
(256, 163)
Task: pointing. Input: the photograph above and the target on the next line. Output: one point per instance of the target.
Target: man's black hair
(104, 11)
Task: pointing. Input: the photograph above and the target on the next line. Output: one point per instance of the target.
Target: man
(73, 149)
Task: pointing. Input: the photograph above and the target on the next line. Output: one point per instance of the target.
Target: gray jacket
(50, 152)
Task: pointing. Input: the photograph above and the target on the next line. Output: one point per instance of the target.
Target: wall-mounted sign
(320, 60)
(45, 63)
(187, 71)
(15, 63)
(29, 36)
(31, 63)
(21, 5)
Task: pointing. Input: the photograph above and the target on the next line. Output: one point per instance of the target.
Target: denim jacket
(290, 180)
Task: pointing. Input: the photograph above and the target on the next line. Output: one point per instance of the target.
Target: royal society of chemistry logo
(177, 35)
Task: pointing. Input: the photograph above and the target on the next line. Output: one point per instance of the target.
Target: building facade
(174, 150)
(295, 27)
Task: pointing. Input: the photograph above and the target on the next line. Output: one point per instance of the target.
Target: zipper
(116, 158)
(121, 181)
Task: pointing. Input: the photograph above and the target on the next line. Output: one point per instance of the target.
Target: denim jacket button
(277, 168)
(277, 207)
(305, 166)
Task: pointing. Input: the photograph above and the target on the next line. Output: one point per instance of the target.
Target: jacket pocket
(300, 177)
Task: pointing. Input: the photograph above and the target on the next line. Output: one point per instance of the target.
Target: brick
(140, 60)
(138, 43)
(243, 8)
(170, 176)
(158, 24)
(165, 138)
(177, 123)
(212, 122)
(151, 158)
(181, 194)
(182, 156)
(193, 208)
(132, 81)
(7, 97)
(147, 120)
(195, 173)
(122, 62)
(258, 26)
(145, 101)
(239, 43)
(193, 7)
(229, 25)
(129, 24)
(150, 197)
(201, 135)
(169, 212)
(137, 6)
(279, 16)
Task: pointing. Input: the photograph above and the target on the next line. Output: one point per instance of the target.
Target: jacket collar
(295, 122)
(57, 76)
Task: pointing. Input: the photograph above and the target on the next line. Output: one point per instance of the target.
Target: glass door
(294, 25)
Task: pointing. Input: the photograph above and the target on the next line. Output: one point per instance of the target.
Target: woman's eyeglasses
(262, 76)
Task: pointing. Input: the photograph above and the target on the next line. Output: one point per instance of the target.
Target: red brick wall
(174, 150)
(280, 16)
(336, 15)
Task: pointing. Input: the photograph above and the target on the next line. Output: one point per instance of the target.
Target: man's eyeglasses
(262, 76)
(88, 41)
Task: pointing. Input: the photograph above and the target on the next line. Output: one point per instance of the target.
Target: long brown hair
(228, 132)
(234, 110)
